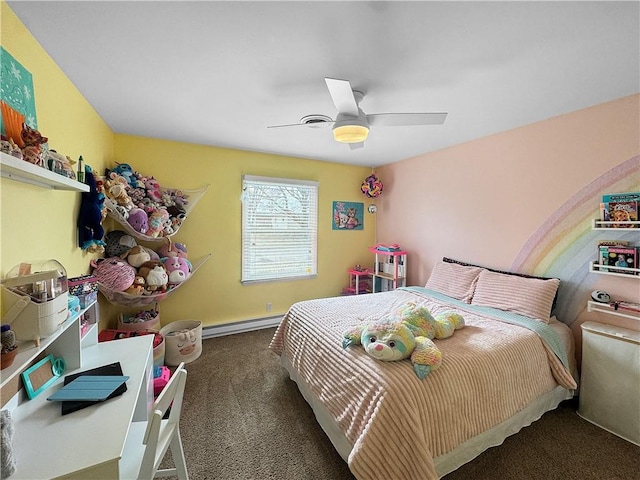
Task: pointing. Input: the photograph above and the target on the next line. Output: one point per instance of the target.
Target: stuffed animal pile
(139, 200)
(32, 147)
(138, 270)
(406, 333)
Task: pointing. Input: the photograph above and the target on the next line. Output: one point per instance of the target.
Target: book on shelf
(626, 257)
(621, 197)
(388, 248)
(620, 207)
(612, 243)
(603, 257)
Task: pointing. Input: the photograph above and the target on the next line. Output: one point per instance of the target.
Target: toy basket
(85, 288)
(158, 341)
(183, 341)
(144, 320)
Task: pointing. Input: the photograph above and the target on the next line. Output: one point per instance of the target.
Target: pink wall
(482, 201)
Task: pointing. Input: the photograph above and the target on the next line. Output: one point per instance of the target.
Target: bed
(510, 363)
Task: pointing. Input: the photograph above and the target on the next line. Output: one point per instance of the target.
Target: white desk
(88, 443)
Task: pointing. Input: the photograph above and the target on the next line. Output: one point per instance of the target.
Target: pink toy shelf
(359, 282)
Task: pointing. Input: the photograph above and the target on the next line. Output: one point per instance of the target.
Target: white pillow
(454, 280)
(531, 297)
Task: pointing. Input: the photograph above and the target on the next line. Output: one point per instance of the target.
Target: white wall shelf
(626, 272)
(25, 172)
(390, 269)
(607, 225)
(63, 342)
(610, 310)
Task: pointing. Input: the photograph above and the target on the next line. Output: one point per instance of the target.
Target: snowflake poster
(348, 216)
(16, 88)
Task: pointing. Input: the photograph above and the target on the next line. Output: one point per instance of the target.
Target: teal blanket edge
(543, 330)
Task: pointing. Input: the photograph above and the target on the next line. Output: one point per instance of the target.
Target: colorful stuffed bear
(156, 222)
(420, 319)
(406, 334)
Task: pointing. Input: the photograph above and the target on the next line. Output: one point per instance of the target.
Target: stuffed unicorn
(406, 334)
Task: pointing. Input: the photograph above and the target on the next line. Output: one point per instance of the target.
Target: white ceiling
(218, 73)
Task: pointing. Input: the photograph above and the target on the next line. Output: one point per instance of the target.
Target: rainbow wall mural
(565, 245)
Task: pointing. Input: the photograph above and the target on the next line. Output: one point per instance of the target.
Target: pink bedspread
(396, 422)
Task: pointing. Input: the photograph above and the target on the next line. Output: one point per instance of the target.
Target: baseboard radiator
(240, 327)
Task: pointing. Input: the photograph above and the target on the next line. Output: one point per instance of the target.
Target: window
(279, 229)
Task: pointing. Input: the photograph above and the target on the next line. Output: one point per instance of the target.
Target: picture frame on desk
(42, 375)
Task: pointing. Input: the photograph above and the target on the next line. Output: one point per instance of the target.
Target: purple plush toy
(138, 220)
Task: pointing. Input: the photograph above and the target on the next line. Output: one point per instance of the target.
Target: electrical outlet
(269, 307)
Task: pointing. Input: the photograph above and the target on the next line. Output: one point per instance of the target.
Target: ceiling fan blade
(310, 125)
(342, 96)
(354, 146)
(289, 125)
(406, 119)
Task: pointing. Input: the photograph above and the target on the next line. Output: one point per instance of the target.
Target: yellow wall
(38, 223)
(214, 294)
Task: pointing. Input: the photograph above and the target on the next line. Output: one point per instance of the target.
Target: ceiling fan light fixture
(350, 133)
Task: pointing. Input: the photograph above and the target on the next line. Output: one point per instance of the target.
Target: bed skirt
(462, 454)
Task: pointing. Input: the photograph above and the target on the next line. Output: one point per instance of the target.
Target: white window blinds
(279, 228)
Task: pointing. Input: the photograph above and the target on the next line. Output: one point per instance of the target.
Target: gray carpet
(243, 418)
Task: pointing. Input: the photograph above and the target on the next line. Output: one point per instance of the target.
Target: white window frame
(264, 226)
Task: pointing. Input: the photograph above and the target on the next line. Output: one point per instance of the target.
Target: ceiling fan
(351, 125)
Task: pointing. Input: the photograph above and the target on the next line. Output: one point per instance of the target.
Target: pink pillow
(454, 280)
(531, 297)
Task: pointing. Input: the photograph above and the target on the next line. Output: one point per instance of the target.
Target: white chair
(147, 442)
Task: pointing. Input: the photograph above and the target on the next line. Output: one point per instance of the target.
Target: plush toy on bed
(420, 319)
(408, 333)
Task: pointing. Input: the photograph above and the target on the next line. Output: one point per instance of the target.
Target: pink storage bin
(137, 322)
(161, 381)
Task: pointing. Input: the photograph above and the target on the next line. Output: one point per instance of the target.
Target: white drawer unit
(610, 379)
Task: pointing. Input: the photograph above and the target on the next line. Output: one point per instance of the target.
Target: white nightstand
(610, 379)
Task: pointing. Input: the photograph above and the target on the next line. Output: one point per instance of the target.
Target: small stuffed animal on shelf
(34, 147)
(406, 334)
